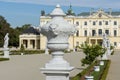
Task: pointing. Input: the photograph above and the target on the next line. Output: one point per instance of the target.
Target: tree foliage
(42, 13)
(13, 33)
(91, 52)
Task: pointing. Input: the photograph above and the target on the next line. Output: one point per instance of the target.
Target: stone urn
(97, 68)
(57, 32)
(101, 63)
(89, 78)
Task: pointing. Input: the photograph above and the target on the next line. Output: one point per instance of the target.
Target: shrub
(91, 52)
(105, 72)
(26, 52)
(4, 59)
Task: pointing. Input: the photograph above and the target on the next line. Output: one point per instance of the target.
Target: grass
(97, 75)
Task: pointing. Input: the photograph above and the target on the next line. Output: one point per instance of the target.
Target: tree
(91, 52)
(4, 28)
(13, 33)
(42, 13)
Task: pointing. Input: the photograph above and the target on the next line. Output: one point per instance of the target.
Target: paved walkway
(114, 70)
(27, 67)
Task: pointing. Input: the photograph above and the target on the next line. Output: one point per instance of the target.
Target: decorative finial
(57, 11)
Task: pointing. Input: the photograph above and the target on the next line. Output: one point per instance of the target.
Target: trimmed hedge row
(4, 59)
(27, 52)
(105, 72)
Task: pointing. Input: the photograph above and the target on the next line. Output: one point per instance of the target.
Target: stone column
(35, 43)
(57, 31)
(28, 44)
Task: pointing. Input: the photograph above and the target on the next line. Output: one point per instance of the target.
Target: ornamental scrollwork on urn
(58, 30)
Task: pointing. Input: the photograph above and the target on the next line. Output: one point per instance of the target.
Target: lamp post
(57, 32)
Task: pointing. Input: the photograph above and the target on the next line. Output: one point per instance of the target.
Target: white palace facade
(90, 27)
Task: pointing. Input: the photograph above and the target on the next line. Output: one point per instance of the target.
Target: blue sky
(20, 12)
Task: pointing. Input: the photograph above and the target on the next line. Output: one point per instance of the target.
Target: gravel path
(27, 67)
(114, 70)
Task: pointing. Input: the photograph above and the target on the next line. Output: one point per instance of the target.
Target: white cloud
(83, 3)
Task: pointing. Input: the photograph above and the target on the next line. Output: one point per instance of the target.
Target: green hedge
(105, 72)
(4, 59)
(26, 52)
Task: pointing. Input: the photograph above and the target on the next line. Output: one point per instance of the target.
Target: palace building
(90, 27)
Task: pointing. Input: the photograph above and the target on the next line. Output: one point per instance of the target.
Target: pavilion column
(28, 44)
(35, 43)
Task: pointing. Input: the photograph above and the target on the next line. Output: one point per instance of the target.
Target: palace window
(77, 23)
(85, 33)
(115, 22)
(115, 43)
(106, 22)
(107, 32)
(94, 23)
(85, 23)
(99, 31)
(77, 33)
(100, 23)
(115, 32)
(93, 32)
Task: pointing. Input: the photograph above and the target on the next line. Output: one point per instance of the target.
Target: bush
(26, 52)
(4, 59)
(91, 52)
